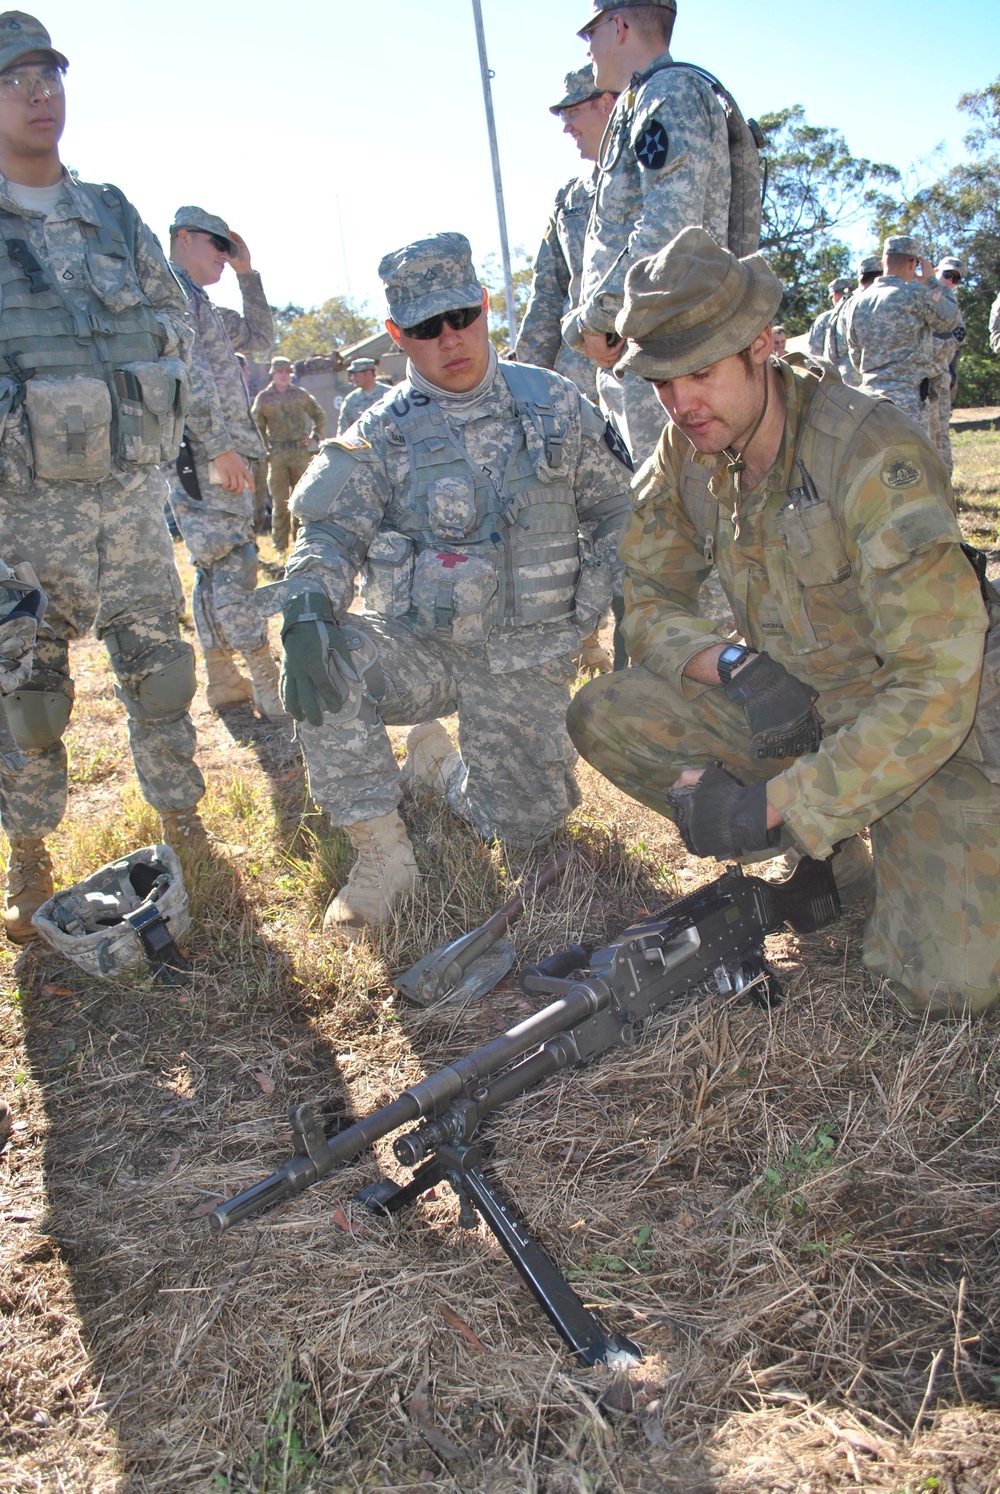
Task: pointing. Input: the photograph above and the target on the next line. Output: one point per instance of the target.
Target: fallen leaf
(652, 1427)
(55, 991)
(341, 1220)
(266, 1082)
(422, 1416)
(200, 1210)
(172, 1161)
(453, 1320)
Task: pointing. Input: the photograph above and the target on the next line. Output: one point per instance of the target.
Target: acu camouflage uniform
(866, 595)
(355, 404)
(218, 529)
(664, 164)
(478, 587)
(555, 287)
(835, 349)
(818, 331)
(88, 295)
(286, 419)
(995, 325)
(889, 328)
(945, 348)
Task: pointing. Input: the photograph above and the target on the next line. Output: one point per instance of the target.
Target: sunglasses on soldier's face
(951, 275)
(434, 325)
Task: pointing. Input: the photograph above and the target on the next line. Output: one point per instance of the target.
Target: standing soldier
(889, 328)
(555, 287)
(835, 348)
(215, 509)
(291, 423)
(484, 502)
(94, 347)
(367, 391)
(946, 347)
(666, 161)
(838, 289)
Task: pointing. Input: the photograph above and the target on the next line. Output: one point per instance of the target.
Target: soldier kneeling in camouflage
(851, 702)
(463, 499)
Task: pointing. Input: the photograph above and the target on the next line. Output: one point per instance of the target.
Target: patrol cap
(600, 9)
(692, 304)
(430, 276)
(202, 222)
(21, 34)
(580, 87)
(279, 362)
(870, 265)
(840, 284)
(952, 262)
(362, 365)
(903, 243)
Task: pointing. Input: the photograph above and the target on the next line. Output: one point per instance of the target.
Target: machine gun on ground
(716, 933)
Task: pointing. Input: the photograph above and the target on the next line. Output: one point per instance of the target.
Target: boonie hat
(870, 265)
(361, 365)
(692, 304)
(430, 276)
(903, 243)
(840, 284)
(21, 34)
(202, 222)
(580, 87)
(600, 9)
(279, 362)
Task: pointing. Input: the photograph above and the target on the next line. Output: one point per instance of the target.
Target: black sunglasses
(951, 275)
(434, 325)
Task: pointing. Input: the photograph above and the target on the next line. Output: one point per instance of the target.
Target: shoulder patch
(350, 443)
(617, 447)
(900, 474)
(651, 146)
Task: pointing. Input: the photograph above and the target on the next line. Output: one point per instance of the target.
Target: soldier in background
(215, 508)
(779, 337)
(837, 289)
(291, 424)
(946, 347)
(835, 349)
(995, 325)
(555, 288)
(889, 328)
(367, 391)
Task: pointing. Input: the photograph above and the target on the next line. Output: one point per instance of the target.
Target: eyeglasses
(434, 325)
(25, 82)
(218, 242)
(589, 32)
(951, 275)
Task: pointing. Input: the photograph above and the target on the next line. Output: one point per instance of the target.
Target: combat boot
(264, 673)
(226, 686)
(183, 830)
(29, 885)
(384, 872)
(431, 759)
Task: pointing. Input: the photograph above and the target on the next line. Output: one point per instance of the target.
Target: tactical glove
(593, 658)
(719, 817)
(778, 708)
(316, 671)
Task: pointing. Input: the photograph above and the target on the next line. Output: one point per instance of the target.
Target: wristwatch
(732, 656)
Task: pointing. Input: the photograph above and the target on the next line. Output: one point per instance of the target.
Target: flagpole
(491, 126)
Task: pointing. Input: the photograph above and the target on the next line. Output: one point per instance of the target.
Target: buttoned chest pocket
(812, 539)
(112, 277)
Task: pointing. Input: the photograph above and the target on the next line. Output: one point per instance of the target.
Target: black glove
(719, 817)
(316, 671)
(778, 708)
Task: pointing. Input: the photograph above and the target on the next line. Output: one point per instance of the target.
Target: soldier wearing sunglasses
(482, 504)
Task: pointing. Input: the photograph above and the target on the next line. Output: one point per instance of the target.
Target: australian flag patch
(651, 146)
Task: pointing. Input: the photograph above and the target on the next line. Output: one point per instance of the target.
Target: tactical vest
(488, 554)
(56, 353)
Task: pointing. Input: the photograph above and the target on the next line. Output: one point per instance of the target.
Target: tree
(814, 186)
(315, 333)
(522, 271)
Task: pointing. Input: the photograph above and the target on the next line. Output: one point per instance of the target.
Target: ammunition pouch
(151, 402)
(387, 578)
(37, 718)
(594, 590)
(70, 424)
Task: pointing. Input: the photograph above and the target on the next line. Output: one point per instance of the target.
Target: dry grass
(796, 1213)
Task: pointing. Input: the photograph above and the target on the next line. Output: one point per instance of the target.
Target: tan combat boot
(264, 673)
(431, 759)
(183, 830)
(384, 872)
(226, 686)
(29, 885)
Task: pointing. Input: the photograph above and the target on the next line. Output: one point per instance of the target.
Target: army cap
(870, 265)
(430, 276)
(840, 284)
(580, 87)
(202, 222)
(692, 304)
(363, 365)
(279, 362)
(21, 34)
(952, 262)
(601, 9)
(903, 243)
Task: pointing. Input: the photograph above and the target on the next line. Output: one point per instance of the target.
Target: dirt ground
(795, 1211)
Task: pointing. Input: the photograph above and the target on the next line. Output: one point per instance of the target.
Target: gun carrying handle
(556, 967)
(505, 915)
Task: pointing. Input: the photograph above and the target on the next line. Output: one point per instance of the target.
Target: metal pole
(484, 68)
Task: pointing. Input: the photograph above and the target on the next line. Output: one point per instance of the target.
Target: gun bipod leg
(387, 1197)
(553, 1293)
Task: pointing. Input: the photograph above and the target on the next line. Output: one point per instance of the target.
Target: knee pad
(37, 718)
(165, 689)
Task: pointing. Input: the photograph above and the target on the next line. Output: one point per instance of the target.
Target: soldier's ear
(393, 331)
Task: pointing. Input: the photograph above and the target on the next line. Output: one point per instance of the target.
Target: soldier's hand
(240, 261)
(316, 671)
(926, 269)
(593, 658)
(719, 816)
(232, 472)
(604, 353)
(778, 707)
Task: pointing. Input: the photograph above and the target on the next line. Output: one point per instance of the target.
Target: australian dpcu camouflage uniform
(664, 164)
(218, 528)
(889, 328)
(864, 594)
(555, 288)
(944, 350)
(286, 419)
(487, 539)
(355, 404)
(88, 297)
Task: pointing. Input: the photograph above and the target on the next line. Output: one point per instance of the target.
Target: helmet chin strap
(737, 460)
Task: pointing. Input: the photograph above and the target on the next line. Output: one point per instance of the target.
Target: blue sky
(359, 124)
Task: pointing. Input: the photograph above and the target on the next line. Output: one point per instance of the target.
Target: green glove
(316, 672)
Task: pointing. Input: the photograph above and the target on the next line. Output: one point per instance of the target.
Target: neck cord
(737, 460)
